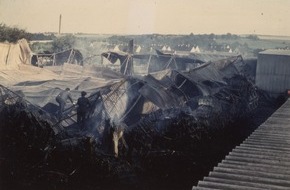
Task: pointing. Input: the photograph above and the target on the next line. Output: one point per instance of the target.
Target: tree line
(13, 34)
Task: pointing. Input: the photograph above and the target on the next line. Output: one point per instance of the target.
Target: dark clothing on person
(83, 105)
(61, 99)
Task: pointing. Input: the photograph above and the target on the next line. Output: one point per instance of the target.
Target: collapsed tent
(153, 62)
(154, 100)
(134, 118)
(131, 98)
(11, 55)
(147, 118)
(126, 61)
(72, 56)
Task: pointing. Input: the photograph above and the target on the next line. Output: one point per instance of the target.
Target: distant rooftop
(276, 52)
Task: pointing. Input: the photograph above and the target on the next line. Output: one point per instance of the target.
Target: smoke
(91, 48)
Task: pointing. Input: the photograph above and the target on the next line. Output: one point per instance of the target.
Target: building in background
(273, 71)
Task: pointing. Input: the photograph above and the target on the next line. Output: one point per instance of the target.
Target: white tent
(168, 48)
(197, 50)
(138, 49)
(13, 54)
(230, 51)
(163, 48)
(192, 50)
(116, 48)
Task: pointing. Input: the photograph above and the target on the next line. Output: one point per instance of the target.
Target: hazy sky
(149, 16)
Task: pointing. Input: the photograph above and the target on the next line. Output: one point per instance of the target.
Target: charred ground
(175, 157)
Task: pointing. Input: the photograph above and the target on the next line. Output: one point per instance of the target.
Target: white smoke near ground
(91, 49)
(118, 108)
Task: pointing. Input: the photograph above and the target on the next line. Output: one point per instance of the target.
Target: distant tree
(212, 36)
(246, 45)
(228, 36)
(234, 36)
(63, 43)
(253, 37)
(12, 34)
(223, 36)
(41, 36)
(235, 45)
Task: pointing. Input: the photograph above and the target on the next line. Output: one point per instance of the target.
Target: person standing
(83, 107)
(61, 99)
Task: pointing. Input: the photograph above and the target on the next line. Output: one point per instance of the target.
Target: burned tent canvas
(153, 125)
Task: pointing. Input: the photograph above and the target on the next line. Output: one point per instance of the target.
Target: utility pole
(131, 46)
(130, 61)
(59, 26)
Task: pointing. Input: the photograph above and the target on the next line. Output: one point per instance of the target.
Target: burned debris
(133, 126)
(155, 62)
(162, 128)
(72, 56)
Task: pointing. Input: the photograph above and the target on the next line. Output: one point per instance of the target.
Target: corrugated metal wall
(273, 73)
